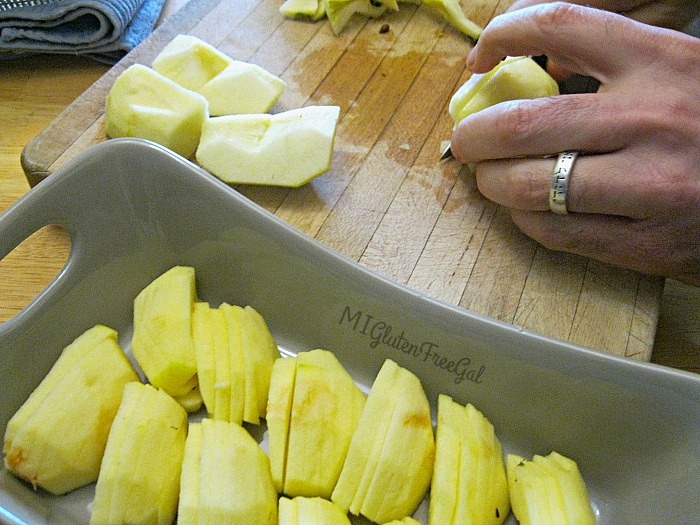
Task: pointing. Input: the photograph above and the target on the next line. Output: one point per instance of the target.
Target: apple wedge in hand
(514, 78)
(58, 436)
(284, 149)
(389, 465)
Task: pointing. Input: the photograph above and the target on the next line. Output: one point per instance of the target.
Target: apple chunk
(242, 88)
(190, 62)
(143, 103)
(285, 149)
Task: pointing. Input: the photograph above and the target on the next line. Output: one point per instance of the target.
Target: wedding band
(560, 181)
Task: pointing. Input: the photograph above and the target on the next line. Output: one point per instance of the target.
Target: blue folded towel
(103, 29)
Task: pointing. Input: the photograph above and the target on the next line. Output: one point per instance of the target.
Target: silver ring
(560, 181)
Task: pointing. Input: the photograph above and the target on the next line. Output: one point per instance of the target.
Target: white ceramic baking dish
(133, 210)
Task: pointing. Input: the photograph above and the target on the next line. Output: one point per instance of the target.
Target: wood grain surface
(388, 201)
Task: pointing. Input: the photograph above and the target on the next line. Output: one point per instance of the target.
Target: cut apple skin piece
(143, 103)
(469, 482)
(57, 438)
(242, 88)
(234, 481)
(548, 490)
(376, 480)
(451, 10)
(162, 341)
(139, 479)
(285, 149)
(310, 511)
(326, 409)
(190, 62)
(310, 9)
(339, 12)
(514, 78)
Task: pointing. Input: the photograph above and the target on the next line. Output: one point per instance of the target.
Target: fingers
(569, 34)
(611, 184)
(644, 246)
(587, 122)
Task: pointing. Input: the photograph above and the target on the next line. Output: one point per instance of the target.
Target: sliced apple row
(339, 12)
(198, 101)
(332, 451)
(235, 353)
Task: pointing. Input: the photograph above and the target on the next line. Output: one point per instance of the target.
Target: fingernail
(471, 59)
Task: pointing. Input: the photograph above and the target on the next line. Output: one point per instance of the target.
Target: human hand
(672, 14)
(634, 192)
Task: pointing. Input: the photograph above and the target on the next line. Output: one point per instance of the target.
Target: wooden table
(404, 77)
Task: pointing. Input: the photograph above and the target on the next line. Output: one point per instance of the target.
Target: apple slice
(260, 352)
(325, 410)
(469, 482)
(279, 411)
(140, 474)
(236, 363)
(203, 340)
(188, 503)
(162, 341)
(143, 103)
(222, 368)
(376, 480)
(242, 88)
(285, 149)
(548, 490)
(190, 62)
(310, 511)
(514, 78)
(58, 436)
(234, 482)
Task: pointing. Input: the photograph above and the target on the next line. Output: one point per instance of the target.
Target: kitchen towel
(103, 29)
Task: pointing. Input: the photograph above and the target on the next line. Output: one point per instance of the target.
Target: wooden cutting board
(389, 202)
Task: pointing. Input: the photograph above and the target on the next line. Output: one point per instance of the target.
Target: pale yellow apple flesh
(469, 482)
(242, 88)
(285, 149)
(548, 490)
(376, 480)
(143, 103)
(162, 341)
(225, 477)
(140, 474)
(57, 437)
(514, 78)
(310, 511)
(190, 62)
